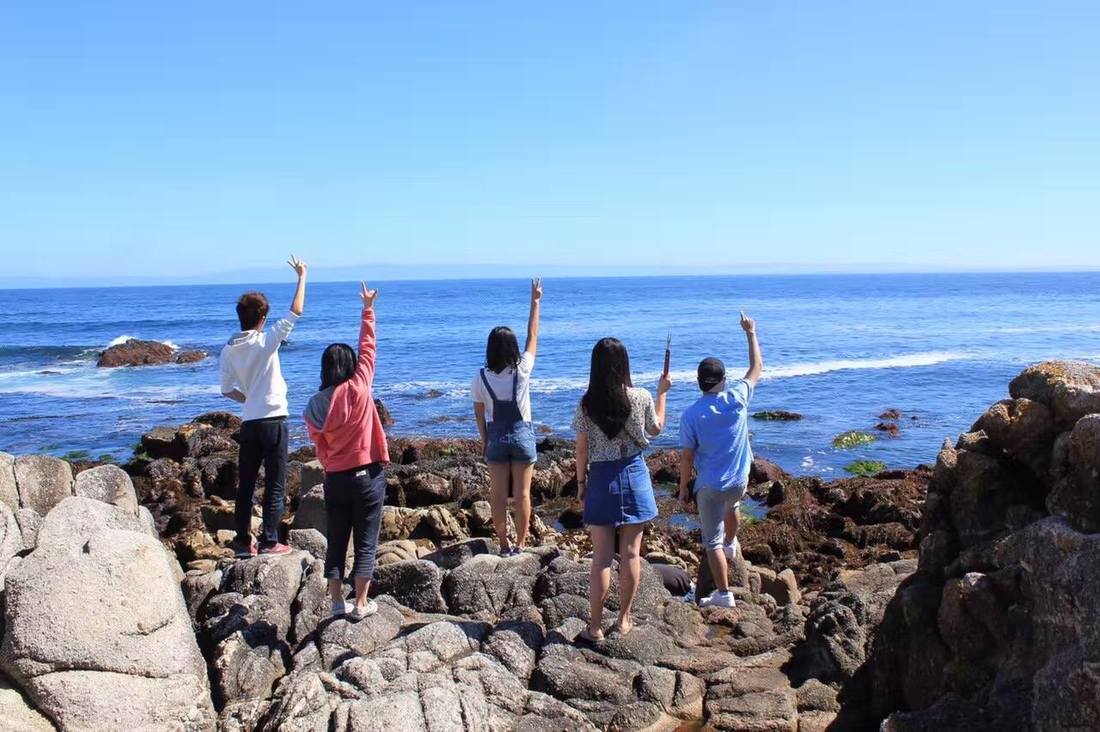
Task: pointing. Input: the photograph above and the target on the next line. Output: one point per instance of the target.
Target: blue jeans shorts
(514, 444)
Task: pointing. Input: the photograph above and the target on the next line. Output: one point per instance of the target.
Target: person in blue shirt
(714, 440)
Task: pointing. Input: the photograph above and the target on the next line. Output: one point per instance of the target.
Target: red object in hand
(668, 354)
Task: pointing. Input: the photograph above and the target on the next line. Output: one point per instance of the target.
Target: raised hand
(664, 384)
(747, 324)
(300, 268)
(367, 296)
(536, 289)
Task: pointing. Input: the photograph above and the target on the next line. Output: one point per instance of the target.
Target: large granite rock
(109, 484)
(997, 628)
(17, 714)
(43, 482)
(9, 492)
(415, 583)
(11, 540)
(132, 663)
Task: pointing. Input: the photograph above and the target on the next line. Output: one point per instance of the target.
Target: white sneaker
(354, 613)
(342, 608)
(732, 550)
(718, 599)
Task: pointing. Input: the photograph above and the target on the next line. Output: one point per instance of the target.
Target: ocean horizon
(838, 349)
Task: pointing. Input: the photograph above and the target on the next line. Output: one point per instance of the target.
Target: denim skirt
(619, 492)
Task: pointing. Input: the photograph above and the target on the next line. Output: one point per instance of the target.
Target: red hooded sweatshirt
(342, 420)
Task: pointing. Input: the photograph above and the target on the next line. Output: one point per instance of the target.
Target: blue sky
(189, 139)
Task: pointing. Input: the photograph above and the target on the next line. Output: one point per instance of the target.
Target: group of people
(614, 423)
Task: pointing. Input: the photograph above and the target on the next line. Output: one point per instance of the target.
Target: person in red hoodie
(344, 425)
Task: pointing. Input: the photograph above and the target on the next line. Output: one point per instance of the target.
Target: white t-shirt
(502, 387)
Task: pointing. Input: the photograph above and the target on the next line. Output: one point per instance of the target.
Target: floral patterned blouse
(631, 440)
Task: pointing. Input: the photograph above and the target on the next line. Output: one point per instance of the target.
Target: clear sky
(154, 139)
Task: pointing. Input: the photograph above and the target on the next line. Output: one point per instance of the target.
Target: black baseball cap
(711, 373)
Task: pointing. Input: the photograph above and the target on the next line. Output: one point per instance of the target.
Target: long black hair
(502, 350)
(606, 402)
(337, 365)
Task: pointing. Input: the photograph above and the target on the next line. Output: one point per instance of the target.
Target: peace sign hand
(297, 265)
(536, 289)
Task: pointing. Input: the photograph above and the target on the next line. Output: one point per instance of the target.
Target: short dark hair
(252, 308)
(337, 365)
(502, 350)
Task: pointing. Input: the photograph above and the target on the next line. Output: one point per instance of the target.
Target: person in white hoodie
(251, 375)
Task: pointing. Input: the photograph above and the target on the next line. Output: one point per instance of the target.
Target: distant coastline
(398, 273)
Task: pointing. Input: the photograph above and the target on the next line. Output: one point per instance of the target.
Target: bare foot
(591, 636)
(623, 626)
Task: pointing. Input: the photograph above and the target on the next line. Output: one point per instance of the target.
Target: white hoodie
(250, 364)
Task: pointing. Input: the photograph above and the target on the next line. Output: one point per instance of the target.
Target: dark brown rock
(134, 352)
(890, 428)
(190, 356)
(383, 413)
(763, 471)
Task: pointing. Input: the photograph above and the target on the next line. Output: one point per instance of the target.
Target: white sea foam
(813, 368)
(1058, 328)
(123, 338)
(456, 389)
(44, 372)
(90, 384)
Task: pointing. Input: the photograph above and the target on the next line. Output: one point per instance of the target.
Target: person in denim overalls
(507, 434)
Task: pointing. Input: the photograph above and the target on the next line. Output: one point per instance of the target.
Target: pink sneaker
(276, 548)
(242, 550)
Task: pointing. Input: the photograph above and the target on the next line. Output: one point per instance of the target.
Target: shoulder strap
(492, 394)
(515, 384)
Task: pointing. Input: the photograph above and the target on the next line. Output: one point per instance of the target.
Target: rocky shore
(957, 596)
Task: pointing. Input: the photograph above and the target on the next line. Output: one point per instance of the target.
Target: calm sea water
(838, 349)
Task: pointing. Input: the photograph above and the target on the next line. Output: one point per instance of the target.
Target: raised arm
(298, 304)
(281, 330)
(533, 317)
(368, 343)
(756, 361)
(663, 385)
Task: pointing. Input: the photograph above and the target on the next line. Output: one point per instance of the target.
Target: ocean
(837, 349)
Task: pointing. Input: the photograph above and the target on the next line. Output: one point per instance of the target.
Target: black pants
(353, 505)
(263, 442)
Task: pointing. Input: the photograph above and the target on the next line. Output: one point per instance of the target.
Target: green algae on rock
(865, 467)
(852, 438)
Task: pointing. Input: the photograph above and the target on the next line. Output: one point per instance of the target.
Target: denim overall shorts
(508, 438)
